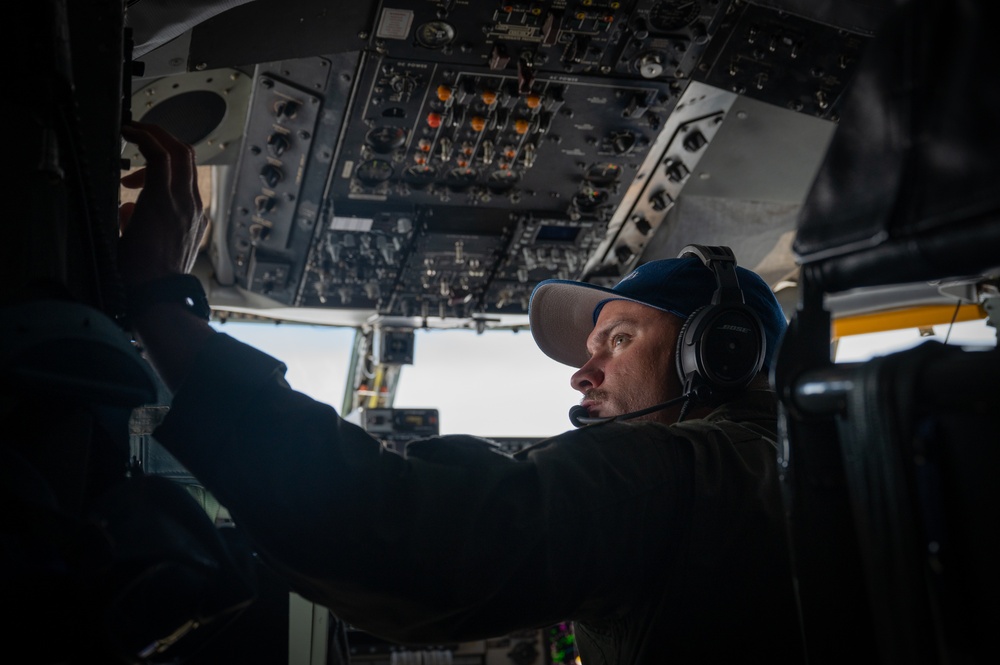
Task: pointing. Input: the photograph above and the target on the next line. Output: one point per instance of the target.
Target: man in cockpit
(656, 527)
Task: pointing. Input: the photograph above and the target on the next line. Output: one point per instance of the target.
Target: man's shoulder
(748, 405)
(753, 415)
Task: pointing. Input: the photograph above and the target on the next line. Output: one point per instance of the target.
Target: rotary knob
(277, 144)
(650, 65)
(271, 175)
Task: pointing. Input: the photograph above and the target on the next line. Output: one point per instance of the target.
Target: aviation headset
(721, 345)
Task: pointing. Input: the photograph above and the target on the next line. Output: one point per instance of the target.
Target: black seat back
(886, 464)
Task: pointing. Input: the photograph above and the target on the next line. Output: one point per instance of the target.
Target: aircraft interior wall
(389, 166)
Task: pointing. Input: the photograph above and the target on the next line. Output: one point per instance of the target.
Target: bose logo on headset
(721, 346)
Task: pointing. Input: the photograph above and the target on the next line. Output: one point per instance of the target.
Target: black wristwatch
(184, 290)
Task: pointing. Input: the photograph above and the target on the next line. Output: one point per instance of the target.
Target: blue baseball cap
(562, 313)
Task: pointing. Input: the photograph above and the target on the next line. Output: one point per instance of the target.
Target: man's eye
(618, 340)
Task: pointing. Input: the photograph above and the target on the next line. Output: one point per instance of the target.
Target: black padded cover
(910, 186)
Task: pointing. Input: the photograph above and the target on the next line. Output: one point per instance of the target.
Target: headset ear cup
(720, 346)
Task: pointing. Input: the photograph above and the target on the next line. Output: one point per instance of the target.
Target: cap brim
(561, 316)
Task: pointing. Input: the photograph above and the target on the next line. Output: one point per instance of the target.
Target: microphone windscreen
(577, 412)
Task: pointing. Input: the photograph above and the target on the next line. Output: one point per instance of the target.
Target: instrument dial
(589, 199)
(502, 181)
(374, 171)
(420, 176)
(603, 174)
(435, 34)
(671, 15)
(385, 139)
(461, 179)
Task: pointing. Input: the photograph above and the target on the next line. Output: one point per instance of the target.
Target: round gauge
(420, 175)
(502, 180)
(385, 139)
(374, 171)
(672, 15)
(435, 34)
(603, 174)
(461, 179)
(589, 199)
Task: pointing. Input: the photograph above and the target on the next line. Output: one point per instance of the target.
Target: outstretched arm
(439, 545)
(160, 235)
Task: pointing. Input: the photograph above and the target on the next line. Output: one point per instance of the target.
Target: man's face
(631, 362)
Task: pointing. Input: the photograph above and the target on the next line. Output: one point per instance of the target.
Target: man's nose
(587, 377)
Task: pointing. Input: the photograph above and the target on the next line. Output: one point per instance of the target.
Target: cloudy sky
(495, 384)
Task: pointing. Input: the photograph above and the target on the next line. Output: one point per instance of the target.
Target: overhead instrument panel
(475, 152)
(783, 59)
(651, 39)
(279, 193)
(471, 149)
(667, 38)
(429, 134)
(577, 37)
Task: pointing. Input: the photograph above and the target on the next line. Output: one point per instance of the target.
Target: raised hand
(162, 230)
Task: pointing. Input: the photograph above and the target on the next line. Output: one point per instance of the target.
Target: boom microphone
(578, 414)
